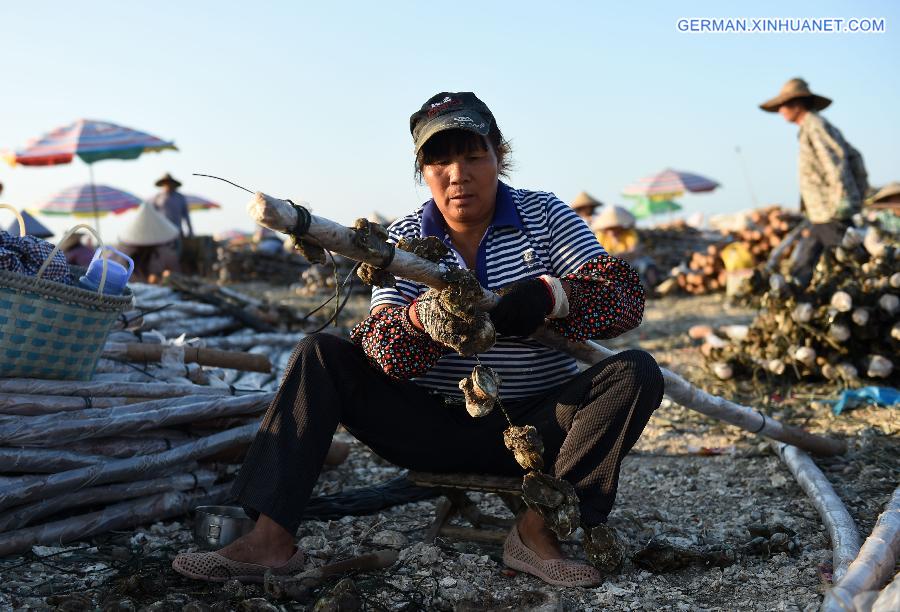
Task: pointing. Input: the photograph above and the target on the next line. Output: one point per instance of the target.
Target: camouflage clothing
(833, 179)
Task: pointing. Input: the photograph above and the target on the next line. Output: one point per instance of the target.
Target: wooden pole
(875, 563)
(247, 362)
(280, 216)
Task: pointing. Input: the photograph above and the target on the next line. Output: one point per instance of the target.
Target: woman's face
(464, 185)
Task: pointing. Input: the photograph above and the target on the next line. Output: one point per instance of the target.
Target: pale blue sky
(311, 100)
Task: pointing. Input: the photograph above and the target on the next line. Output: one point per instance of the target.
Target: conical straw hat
(888, 197)
(148, 228)
(584, 200)
(614, 216)
(793, 89)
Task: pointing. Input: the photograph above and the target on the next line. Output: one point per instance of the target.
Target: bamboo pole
(34, 386)
(23, 433)
(255, 362)
(92, 496)
(28, 488)
(203, 326)
(15, 404)
(280, 216)
(889, 598)
(840, 525)
(121, 447)
(875, 563)
(44, 461)
(123, 515)
(43, 419)
(245, 341)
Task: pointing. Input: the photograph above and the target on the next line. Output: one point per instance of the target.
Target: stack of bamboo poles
(152, 435)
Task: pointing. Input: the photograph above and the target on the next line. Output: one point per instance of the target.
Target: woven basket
(53, 330)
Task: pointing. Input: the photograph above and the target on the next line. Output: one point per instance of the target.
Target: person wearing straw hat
(584, 206)
(833, 180)
(78, 249)
(173, 205)
(150, 240)
(884, 207)
(614, 228)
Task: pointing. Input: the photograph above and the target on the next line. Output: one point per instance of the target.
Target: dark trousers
(821, 236)
(588, 425)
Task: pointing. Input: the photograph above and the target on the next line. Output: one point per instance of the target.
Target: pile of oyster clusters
(842, 326)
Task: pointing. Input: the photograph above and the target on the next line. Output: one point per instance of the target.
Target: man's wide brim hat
(584, 200)
(168, 179)
(148, 228)
(793, 89)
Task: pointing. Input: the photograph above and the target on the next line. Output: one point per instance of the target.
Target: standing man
(173, 205)
(833, 179)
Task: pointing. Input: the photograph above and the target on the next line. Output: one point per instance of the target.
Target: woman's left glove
(522, 308)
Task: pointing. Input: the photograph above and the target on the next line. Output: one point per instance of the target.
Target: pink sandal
(560, 572)
(213, 567)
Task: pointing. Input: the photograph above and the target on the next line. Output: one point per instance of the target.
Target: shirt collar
(505, 214)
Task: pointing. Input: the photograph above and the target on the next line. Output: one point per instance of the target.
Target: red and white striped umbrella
(668, 184)
(91, 141)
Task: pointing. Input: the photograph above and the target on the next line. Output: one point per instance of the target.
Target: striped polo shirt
(532, 233)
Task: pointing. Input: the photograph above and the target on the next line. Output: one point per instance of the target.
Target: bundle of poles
(153, 434)
(791, 443)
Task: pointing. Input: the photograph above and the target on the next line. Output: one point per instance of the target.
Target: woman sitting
(394, 385)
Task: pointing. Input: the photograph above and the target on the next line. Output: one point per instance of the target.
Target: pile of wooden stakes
(157, 431)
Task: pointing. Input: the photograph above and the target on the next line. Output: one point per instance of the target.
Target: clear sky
(311, 100)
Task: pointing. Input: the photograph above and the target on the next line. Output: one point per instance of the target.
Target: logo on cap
(446, 103)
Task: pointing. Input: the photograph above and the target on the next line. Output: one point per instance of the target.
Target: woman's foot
(531, 547)
(538, 537)
(268, 547)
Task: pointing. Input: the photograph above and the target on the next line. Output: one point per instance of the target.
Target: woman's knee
(322, 346)
(639, 368)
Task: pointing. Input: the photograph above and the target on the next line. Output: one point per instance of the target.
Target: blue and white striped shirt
(532, 233)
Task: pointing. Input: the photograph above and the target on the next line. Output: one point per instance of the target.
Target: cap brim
(467, 120)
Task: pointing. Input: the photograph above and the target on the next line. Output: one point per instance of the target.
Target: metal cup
(218, 526)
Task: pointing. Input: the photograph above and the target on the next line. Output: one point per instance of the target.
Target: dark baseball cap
(450, 111)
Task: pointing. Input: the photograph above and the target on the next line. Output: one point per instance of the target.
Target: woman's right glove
(460, 326)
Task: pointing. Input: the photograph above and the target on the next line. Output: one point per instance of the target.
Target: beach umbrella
(88, 200)
(647, 207)
(232, 235)
(91, 141)
(195, 202)
(668, 184)
(33, 227)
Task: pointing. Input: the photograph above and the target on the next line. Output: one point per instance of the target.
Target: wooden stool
(453, 488)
